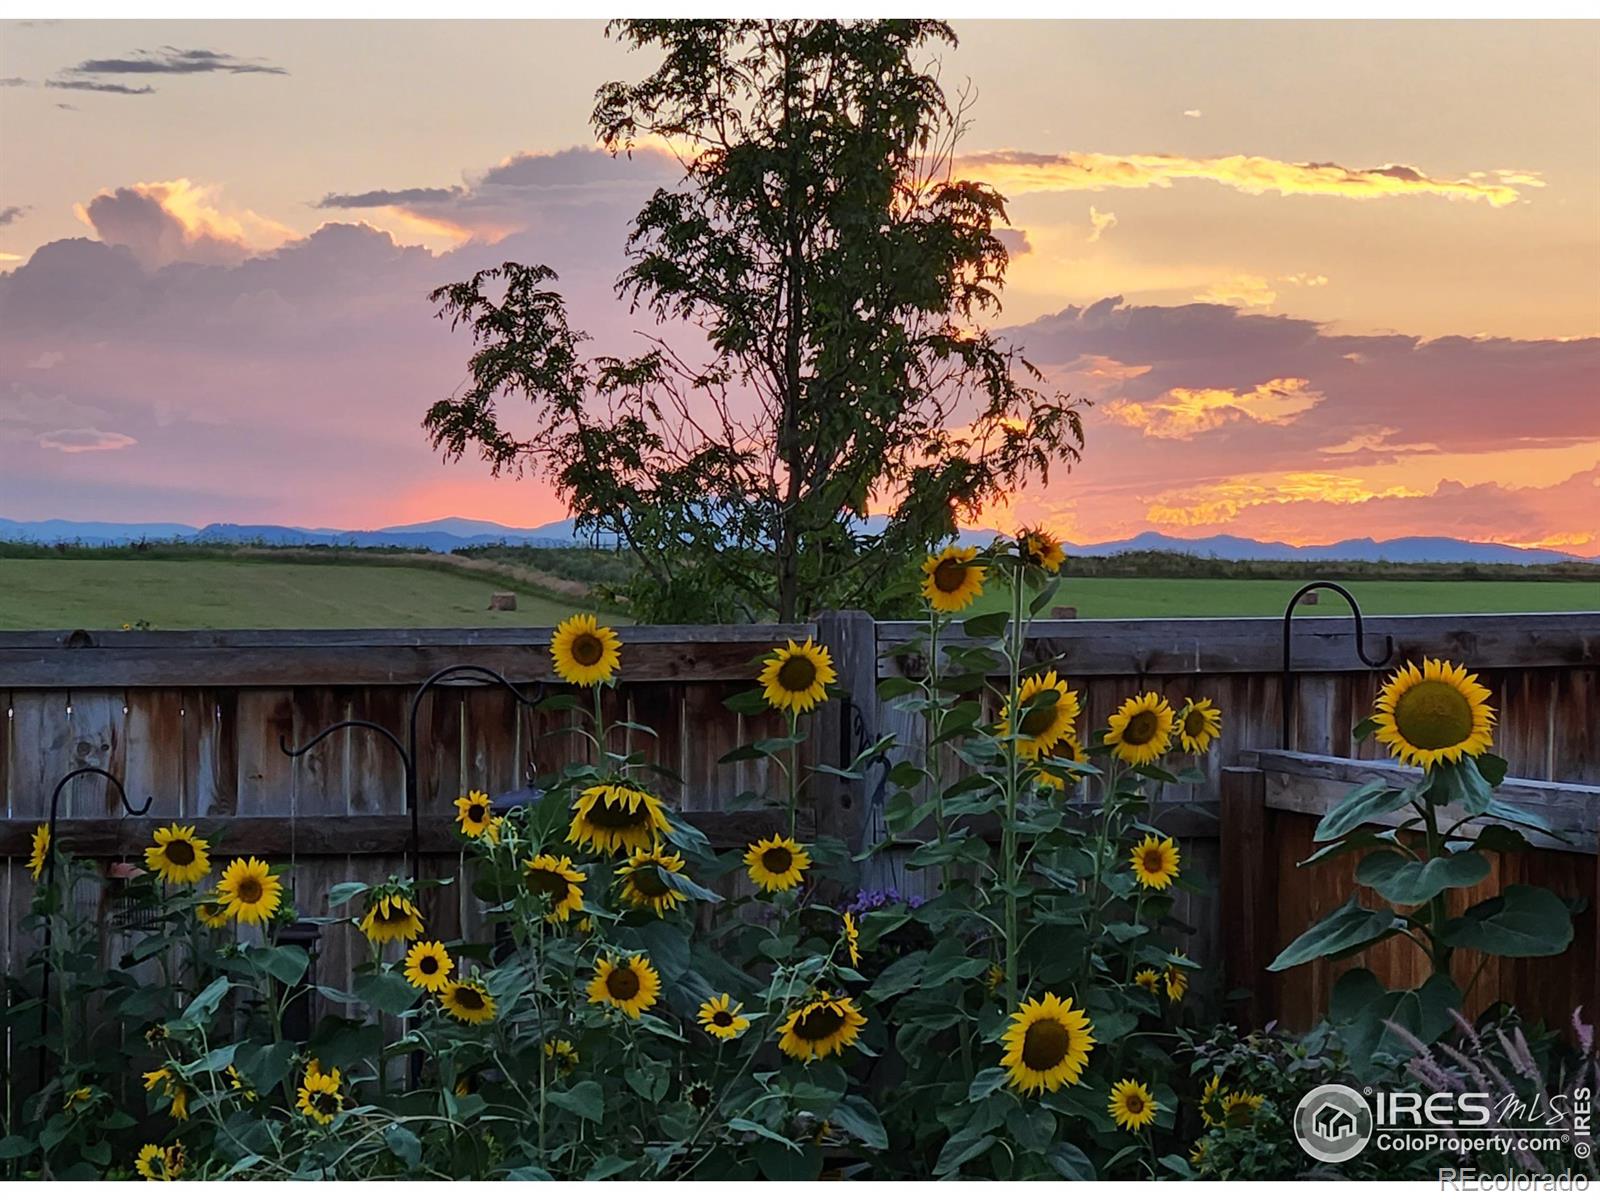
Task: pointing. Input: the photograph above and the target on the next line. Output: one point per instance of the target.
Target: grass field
(218, 594)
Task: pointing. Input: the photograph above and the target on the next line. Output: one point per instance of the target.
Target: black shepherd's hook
(407, 750)
(1287, 700)
(50, 882)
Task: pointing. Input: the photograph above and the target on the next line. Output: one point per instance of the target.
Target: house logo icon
(1333, 1123)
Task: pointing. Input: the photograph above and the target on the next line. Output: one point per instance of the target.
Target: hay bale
(503, 602)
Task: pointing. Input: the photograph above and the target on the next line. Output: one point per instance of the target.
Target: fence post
(844, 726)
(1248, 894)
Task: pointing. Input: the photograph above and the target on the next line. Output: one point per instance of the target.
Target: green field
(1267, 597)
(219, 594)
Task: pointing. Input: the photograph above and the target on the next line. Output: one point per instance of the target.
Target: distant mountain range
(453, 533)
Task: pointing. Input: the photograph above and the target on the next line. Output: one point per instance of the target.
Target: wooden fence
(194, 721)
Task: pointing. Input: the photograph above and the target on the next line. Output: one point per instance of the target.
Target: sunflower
(1045, 723)
(1041, 549)
(492, 833)
(1433, 715)
(776, 864)
(428, 966)
(1198, 722)
(475, 817)
(852, 939)
(700, 1095)
(1149, 980)
(1047, 1044)
(237, 1082)
(994, 976)
(630, 987)
(1131, 1105)
(560, 1052)
(1197, 1153)
(1211, 1102)
(467, 1000)
(951, 580)
(172, 1088)
(178, 856)
(212, 912)
(250, 890)
(78, 1098)
(796, 676)
(1141, 730)
(158, 1163)
(41, 851)
(585, 652)
(319, 1096)
(392, 918)
(1155, 862)
(820, 1027)
(645, 883)
(1239, 1108)
(1177, 981)
(719, 1016)
(614, 816)
(558, 881)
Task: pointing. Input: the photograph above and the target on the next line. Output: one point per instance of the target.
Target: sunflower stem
(1008, 835)
(794, 772)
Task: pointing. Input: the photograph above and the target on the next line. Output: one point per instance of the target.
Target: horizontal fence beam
(1314, 783)
(308, 658)
(327, 836)
(1253, 645)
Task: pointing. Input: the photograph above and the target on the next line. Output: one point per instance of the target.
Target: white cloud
(1101, 221)
(81, 441)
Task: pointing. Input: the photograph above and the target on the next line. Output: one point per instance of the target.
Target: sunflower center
(722, 1017)
(949, 575)
(622, 983)
(648, 882)
(180, 853)
(469, 998)
(819, 1023)
(1194, 724)
(428, 965)
(613, 814)
(477, 813)
(1045, 1045)
(797, 674)
(547, 883)
(1141, 728)
(1155, 861)
(587, 649)
(325, 1103)
(1433, 715)
(1134, 1103)
(699, 1095)
(777, 860)
(1038, 719)
(249, 891)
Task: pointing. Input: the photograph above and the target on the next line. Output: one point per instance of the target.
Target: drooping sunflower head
(560, 1052)
(647, 884)
(994, 977)
(392, 916)
(852, 939)
(250, 891)
(1141, 730)
(78, 1099)
(1131, 1105)
(585, 652)
(239, 1084)
(177, 856)
(1047, 1044)
(1211, 1111)
(1049, 715)
(1149, 979)
(951, 580)
(213, 914)
(1177, 982)
(467, 1000)
(611, 817)
(1435, 714)
(41, 852)
(776, 864)
(630, 987)
(795, 677)
(1040, 548)
(1239, 1108)
(151, 1162)
(172, 1088)
(1199, 722)
(822, 1026)
(720, 1017)
(319, 1097)
(428, 966)
(1155, 862)
(557, 881)
(474, 815)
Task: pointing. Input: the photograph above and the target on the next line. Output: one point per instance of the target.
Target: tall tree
(840, 273)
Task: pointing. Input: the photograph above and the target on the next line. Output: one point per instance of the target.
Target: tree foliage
(839, 273)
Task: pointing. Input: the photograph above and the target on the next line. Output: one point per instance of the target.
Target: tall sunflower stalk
(1015, 636)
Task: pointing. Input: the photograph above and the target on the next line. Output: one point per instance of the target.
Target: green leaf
(1500, 838)
(1371, 800)
(650, 1081)
(1493, 768)
(986, 1082)
(1343, 931)
(343, 893)
(896, 686)
(203, 1005)
(747, 703)
(1356, 839)
(404, 1144)
(1402, 880)
(986, 625)
(387, 991)
(286, 964)
(899, 976)
(13, 1146)
(1032, 1128)
(856, 1116)
(1360, 1007)
(585, 1099)
(1521, 922)
(1463, 783)
(1501, 810)
(1071, 1163)
(961, 1147)
(745, 1125)
(1364, 729)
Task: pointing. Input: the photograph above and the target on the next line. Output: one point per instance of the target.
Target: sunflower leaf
(986, 625)
(1522, 922)
(1371, 800)
(1345, 930)
(584, 1100)
(404, 1145)
(748, 703)
(745, 1125)
(961, 1147)
(1400, 879)
(857, 1117)
(386, 991)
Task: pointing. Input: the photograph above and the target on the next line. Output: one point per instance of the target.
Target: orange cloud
(1184, 412)
(1241, 291)
(1019, 172)
(177, 220)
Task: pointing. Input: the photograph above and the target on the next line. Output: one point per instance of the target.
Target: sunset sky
(1321, 280)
